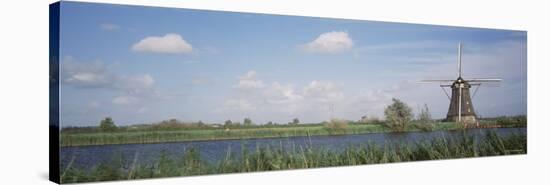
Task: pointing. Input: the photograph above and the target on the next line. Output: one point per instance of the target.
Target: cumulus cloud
(371, 102)
(87, 75)
(283, 99)
(170, 43)
(109, 26)
(281, 94)
(249, 81)
(323, 92)
(97, 75)
(330, 43)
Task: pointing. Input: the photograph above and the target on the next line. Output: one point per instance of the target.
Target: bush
(398, 114)
(336, 125)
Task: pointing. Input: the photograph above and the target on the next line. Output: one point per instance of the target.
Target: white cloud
(314, 101)
(87, 75)
(170, 43)
(249, 81)
(97, 75)
(87, 78)
(282, 101)
(109, 26)
(128, 89)
(281, 94)
(324, 92)
(330, 42)
(371, 102)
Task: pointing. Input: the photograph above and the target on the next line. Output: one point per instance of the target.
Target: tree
(364, 119)
(228, 123)
(295, 121)
(398, 114)
(247, 122)
(107, 124)
(425, 119)
(200, 123)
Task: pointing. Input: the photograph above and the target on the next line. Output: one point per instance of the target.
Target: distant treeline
(174, 124)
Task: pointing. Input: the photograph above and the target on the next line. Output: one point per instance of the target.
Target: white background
(24, 91)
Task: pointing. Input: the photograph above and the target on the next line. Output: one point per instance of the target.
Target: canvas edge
(54, 29)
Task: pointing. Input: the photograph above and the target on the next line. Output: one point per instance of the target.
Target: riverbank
(181, 135)
(268, 158)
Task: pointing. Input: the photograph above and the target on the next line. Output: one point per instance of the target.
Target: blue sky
(143, 64)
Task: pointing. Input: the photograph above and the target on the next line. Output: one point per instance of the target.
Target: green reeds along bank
(269, 158)
(129, 136)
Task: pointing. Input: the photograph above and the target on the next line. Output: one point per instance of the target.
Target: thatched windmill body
(461, 108)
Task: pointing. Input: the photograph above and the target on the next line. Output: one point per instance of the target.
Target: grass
(268, 158)
(178, 135)
(125, 137)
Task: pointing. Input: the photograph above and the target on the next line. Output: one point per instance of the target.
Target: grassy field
(128, 136)
(275, 158)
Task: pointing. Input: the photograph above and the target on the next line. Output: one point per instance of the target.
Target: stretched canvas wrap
(144, 92)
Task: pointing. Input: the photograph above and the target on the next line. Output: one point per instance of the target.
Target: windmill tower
(461, 109)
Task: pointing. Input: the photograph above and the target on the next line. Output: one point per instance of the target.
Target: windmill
(461, 109)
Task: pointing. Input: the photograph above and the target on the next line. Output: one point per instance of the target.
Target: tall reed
(272, 157)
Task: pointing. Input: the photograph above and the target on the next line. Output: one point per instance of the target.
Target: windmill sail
(484, 80)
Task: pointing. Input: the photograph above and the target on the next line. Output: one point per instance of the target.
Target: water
(90, 156)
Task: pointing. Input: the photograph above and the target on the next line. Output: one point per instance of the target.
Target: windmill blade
(495, 84)
(459, 59)
(492, 85)
(484, 80)
(435, 81)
